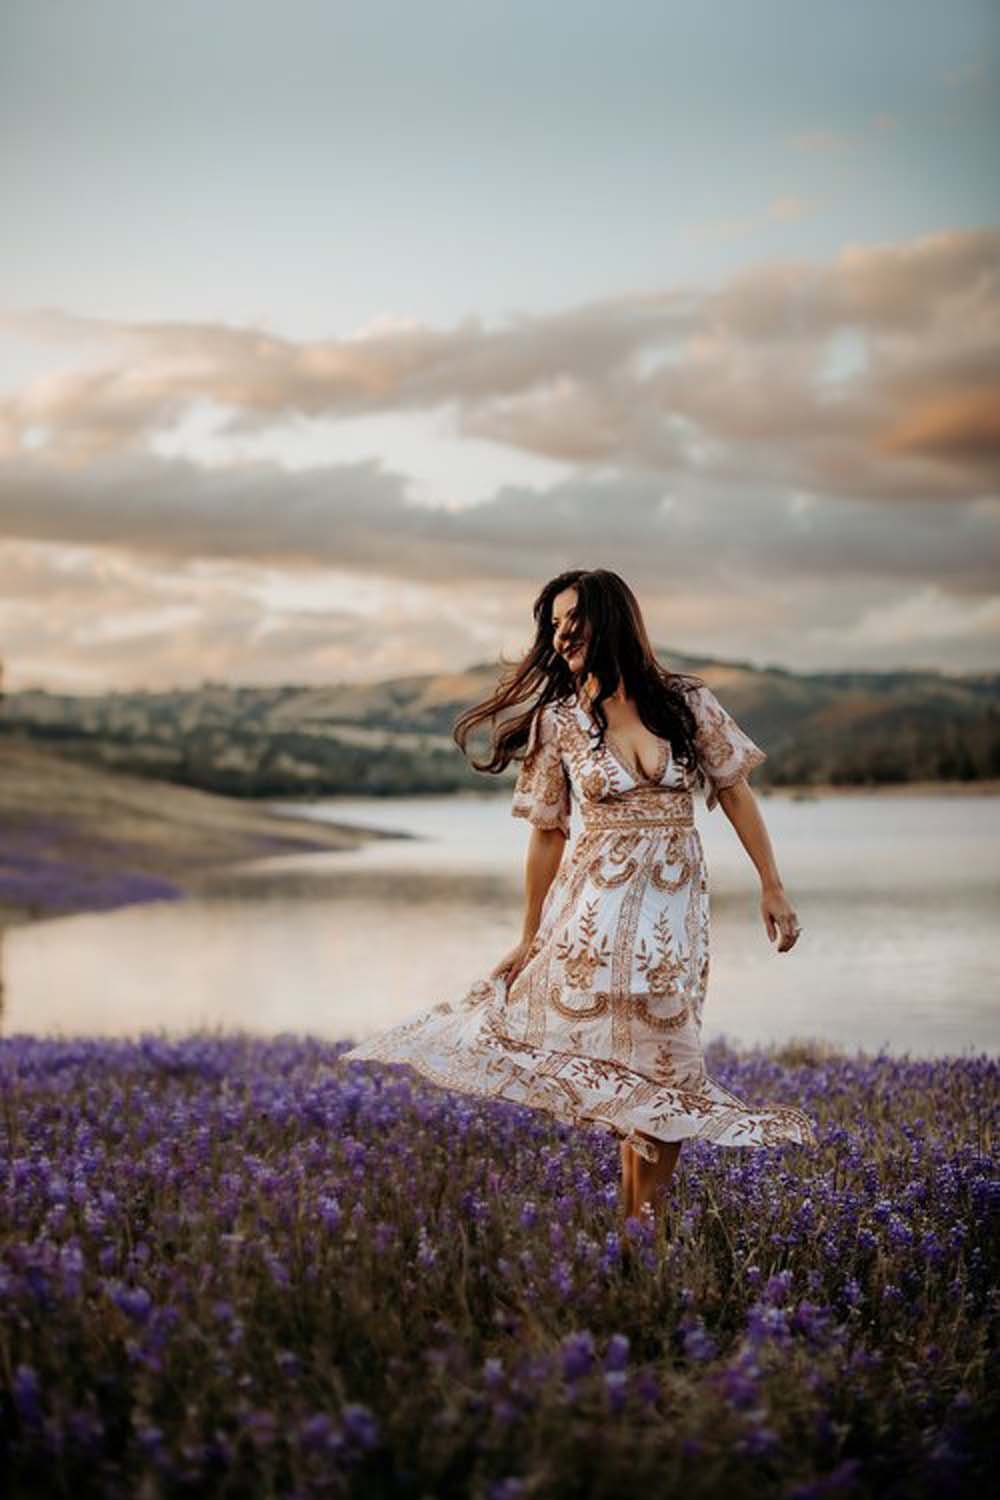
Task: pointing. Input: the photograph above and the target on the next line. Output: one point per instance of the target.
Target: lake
(897, 896)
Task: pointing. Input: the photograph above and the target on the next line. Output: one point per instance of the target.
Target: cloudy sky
(329, 331)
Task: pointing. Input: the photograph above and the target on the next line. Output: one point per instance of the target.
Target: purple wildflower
(316, 1431)
(698, 1343)
(360, 1425)
(578, 1354)
(616, 1354)
(616, 1384)
(25, 1391)
(135, 1302)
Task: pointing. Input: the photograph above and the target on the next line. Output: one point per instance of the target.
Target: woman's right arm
(542, 795)
(545, 852)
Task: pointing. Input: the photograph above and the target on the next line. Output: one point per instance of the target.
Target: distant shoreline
(988, 787)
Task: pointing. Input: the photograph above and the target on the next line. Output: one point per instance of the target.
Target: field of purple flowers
(229, 1268)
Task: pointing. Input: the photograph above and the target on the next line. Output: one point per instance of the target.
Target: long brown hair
(618, 649)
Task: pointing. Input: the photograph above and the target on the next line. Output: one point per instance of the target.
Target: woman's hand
(779, 918)
(513, 962)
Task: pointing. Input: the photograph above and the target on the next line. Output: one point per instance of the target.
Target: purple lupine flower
(738, 1388)
(578, 1354)
(562, 1278)
(316, 1431)
(72, 1265)
(616, 1354)
(134, 1301)
(329, 1211)
(932, 1249)
(766, 1323)
(26, 1393)
(810, 1319)
(616, 1385)
(900, 1233)
(776, 1290)
(698, 1344)
(277, 1268)
(360, 1425)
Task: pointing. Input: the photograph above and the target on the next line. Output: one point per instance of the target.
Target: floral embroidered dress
(602, 1025)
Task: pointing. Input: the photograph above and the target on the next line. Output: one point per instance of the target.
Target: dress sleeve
(725, 752)
(542, 790)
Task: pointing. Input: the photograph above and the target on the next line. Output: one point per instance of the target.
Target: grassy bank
(232, 1266)
(73, 838)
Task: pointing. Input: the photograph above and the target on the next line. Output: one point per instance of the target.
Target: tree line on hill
(394, 737)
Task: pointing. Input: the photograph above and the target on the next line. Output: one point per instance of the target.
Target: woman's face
(566, 638)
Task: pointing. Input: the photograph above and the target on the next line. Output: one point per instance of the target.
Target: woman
(595, 1014)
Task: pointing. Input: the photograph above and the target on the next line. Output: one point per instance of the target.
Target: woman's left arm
(740, 806)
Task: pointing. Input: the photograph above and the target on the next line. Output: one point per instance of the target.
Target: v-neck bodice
(615, 748)
(636, 772)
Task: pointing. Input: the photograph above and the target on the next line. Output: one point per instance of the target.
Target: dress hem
(781, 1124)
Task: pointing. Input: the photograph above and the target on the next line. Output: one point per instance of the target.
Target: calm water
(898, 898)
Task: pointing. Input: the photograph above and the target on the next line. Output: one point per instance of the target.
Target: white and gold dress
(602, 1025)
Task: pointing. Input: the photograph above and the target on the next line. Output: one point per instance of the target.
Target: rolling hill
(394, 736)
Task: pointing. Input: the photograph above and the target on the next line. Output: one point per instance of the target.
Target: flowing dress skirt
(603, 1024)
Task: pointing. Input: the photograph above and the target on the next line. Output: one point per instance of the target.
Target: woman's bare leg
(642, 1180)
(628, 1180)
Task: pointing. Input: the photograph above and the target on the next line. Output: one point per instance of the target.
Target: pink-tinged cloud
(958, 425)
(675, 382)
